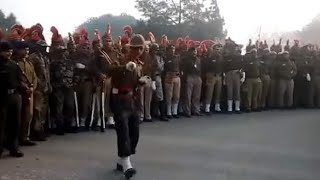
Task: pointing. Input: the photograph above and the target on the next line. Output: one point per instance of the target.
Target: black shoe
(16, 153)
(247, 111)
(169, 116)
(129, 173)
(119, 167)
(176, 116)
(187, 115)
(207, 113)
(1, 151)
(59, 132)
(111, 126)
(238, 112)
(164, 118)
(27, 143)
(197, 114)
(39, 137)
(148, 120)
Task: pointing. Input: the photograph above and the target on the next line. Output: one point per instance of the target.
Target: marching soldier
(10, 104)
(251, 68)
(285, 71)
(38, 57)
(29, 81)
(233, 75)
(272, 100)
(172, 82)
(191, 68)
(61, 71)
(124, 103)
(213, 69)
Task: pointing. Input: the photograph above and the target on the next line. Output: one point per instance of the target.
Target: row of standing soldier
(181, 78)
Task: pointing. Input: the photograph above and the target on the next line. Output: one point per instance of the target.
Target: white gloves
(131, 66)
(80, 66)
(243, 77)
(144, 79)
(308, 77)
(153, 85)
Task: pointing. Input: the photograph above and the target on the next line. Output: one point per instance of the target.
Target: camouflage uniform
(61, 71)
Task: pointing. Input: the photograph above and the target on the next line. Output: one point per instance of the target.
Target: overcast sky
(242, 17)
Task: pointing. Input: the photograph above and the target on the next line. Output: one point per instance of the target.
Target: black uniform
(10, 106)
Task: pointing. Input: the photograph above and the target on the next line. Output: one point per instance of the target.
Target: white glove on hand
(80, 66)
(144, 79)
(131, 66)
(153, 85)
(243, 77)
(308, 77)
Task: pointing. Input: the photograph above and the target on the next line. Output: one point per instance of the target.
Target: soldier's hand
(80, 66)
(131, 66)
(308, 77)
(153, 85)
(102, 76)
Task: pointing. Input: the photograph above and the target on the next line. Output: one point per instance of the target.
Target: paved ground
(271, 145)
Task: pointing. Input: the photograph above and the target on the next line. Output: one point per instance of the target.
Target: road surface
(273, 145)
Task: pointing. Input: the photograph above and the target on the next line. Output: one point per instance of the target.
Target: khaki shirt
(29, 75)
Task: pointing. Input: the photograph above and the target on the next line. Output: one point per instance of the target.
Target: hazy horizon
(243, 19)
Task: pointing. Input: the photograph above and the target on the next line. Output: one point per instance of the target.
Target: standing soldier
(285, 71)
(233, 74)
(315, 79)
(191, 69)
(251, 67)
(213, 69)
(172, 82)
(265, 70)
(124, 101)
(61, 71)
(302, 91)
(29, 81)
(10, 104)
(83, 82)
(157, 69)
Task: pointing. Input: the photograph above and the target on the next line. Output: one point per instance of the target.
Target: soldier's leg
(208, 92)
(265, 90)
(282, 89)
(217, 93)
(169, 93)
(255, 93)
(57, 110)
(196, 94)
(133, 131)
(26, 118)
(176, 96)
(123, 136)
(84, 93)
(229, 84)
(68, 108)
(3, 117)
(141, 103)
(189, 90)
(147, 100)
(236, 91)
(98, 106)
(108, 112)
(248, 103)
(13, 122)
(290, 89)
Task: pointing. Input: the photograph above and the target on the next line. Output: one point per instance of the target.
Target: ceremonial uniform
(10, 104)
(192, 71)
(172, 82)
(251, 68)
(29, 81)
(265, 71)
(285, 71)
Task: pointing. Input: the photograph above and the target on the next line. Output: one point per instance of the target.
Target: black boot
(162, 107)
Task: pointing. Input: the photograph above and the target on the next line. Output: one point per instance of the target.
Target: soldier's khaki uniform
(29, 79)
(232, 67)
(265, 70)
(213, 68)
(252, 69)
(146, 90)
(172, 84)
(192, 71)
(285, 71)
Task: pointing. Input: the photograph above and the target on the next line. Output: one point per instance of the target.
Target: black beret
(20, 44)
(5, 46)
